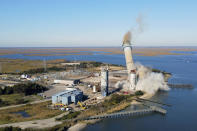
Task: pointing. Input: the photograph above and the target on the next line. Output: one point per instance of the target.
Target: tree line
(24, 88)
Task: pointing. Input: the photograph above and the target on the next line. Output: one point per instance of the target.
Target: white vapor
(150, 82)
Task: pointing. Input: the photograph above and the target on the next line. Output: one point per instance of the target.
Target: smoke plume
(149, 81)
(139, 28)
(123, 85)
(140, 23)
(127, 37)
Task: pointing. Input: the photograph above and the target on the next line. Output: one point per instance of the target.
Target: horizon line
(89, 46)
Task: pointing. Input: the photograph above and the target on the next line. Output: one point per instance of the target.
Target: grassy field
(18, 65)
(36, 111)
(13, 99)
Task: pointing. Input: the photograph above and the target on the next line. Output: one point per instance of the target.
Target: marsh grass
(36, 111)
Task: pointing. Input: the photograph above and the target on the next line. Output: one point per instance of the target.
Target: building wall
(66, 100)
(54, 100)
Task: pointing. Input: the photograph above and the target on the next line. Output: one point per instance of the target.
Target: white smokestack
(129, 60)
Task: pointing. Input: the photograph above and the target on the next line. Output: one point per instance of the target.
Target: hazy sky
(96, 22)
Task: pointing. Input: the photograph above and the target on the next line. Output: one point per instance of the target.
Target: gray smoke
(138, 29)
(140, 23)
(127, 38)
(123, 85)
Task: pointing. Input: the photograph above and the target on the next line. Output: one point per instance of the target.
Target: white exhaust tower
(129, 60)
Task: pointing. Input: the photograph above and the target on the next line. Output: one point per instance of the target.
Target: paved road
(35, 102)
(44, 123)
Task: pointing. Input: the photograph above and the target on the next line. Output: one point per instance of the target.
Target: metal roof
(68, 93)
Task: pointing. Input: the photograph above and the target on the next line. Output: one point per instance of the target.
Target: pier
(189, 86)
(129, 113)
(147, 100)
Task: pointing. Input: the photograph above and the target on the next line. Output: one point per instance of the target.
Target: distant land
(59, 51)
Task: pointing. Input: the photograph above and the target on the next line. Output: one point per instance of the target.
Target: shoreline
(82, 125)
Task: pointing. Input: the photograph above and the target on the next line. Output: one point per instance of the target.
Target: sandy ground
(145, 96)
(77, 127)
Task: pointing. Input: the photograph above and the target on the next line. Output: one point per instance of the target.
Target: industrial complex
(98, 86)
(88, 86)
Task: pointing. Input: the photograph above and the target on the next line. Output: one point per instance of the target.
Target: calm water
(182, 116)
(23, 114)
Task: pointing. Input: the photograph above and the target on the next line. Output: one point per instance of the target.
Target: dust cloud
(148, 81)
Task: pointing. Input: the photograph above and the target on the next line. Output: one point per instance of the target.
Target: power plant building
(67, 97)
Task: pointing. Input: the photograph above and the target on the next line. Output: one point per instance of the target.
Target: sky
(74, 23)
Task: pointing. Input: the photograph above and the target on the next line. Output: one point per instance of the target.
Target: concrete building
(67, 97)
(104, 81)
(68, 81)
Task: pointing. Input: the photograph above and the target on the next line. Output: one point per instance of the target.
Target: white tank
(94, 89)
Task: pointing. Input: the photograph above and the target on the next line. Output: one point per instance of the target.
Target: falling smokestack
(129, 60)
